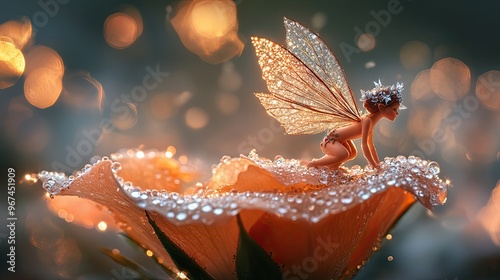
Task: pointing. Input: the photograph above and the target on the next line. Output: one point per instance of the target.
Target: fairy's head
(381, 97)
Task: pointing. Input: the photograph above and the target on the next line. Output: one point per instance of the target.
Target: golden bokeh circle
(12, 64)
(366, 42)
(450, 78)
(213, 19)
(41, 88)
(120, 30)
(488, 90)
(415, 55)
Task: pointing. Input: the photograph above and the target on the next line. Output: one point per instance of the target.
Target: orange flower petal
(334, 246)
(212, 246)
(313, 222)
(98, 183)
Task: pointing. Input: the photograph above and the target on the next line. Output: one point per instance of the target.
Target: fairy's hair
(385, 95)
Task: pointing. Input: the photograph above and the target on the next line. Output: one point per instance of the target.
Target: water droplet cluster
(328, 192)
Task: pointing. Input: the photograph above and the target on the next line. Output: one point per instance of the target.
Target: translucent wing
(300, 100)
(314, 53)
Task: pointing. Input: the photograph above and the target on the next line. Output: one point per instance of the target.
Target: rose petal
(212, 246)
(243, 175)
(334, 246)
(99, 184)
(324, 222)
(390, 208)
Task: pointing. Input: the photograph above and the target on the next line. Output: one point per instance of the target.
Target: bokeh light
(421, 86)
(452, 151)
(120, 30)
(489, 217)
(213, 19)
(12, 64)
(391, 134)
(183, 159)
(82, 212)
(227, 103)
(425, 119)
(42, 232)
(450, 78)
(80, 90)
(171, 150)
(480, 146)
(162, 105)
(366, 42)
(488, 90)
(125, 117)
(102, 226)
(370, 64)
(44, 72)
(42, 87)
(42, 56)
(136, 15)
(67, 258)
(196, 118)
(415, 55)
(209, 29)
(182, 98)
(19, 31)
(319, 20)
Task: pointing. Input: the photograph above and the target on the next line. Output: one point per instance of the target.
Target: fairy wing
(302, 100)
(315, 54)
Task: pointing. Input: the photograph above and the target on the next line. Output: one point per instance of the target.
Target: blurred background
(85, 78)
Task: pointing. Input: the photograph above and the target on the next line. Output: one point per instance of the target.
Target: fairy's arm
(372, 148)
(366, 141)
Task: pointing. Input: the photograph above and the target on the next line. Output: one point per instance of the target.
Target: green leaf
(130, 241)
(128, 263)
(133, 243)
(180, 258)
(252, 262)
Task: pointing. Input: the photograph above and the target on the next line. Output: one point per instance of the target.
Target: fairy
(310, 94)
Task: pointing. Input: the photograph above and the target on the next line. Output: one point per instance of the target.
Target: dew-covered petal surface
(288, 209)
(97, 183)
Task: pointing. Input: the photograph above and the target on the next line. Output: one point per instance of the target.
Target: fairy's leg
(336, 154)
(353, 152)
